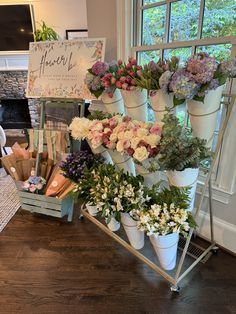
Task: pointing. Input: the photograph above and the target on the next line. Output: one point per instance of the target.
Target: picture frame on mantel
(76, 33)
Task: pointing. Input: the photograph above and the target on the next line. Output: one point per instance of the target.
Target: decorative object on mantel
(76, 33)
(9, 199)
(45, 33)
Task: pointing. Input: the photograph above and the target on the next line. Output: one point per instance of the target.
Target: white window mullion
(200, 20)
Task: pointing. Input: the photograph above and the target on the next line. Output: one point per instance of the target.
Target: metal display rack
(179, 274)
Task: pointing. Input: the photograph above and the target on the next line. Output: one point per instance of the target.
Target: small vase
(159, 101)
(92, 209)
(165, 247)
(113, 224)
(135, 236)
(185, 178)
(124, 162)
(136, 103)
(103, 151)
(113, 104)
(203, 115)
(150, 178)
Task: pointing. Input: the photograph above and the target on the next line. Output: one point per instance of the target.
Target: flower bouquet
(180, 155)
(155, 78)
(34, 184)
(163, 219)
(135, 98)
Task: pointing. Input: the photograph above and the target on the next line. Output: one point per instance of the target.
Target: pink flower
(32, 188)
(139, 73)
(130, 151)
(119, 62)
(133, 61)
(126, 144)
(131, 73)
(120, 72)
(124, 86)
(110, 145)
(155, 130)
(112, 122)
(128, 66)
(110, 94)
(123, 79)
(113, 80)
(118, 84)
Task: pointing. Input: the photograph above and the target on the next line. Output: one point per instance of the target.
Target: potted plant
(45, 33)
(163, 219)
(180, 155)
(155, 77)
(74, 168)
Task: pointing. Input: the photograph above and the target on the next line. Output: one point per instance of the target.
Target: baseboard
(224, 232)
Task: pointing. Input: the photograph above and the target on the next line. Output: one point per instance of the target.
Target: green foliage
(99, 115)
(179, 150)
(45, 33)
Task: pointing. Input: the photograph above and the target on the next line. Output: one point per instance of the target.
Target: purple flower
(202, 67)
(228, 68)
(99, 68)
(93, 82)
(182, 84)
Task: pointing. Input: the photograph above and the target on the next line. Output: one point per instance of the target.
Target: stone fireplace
(16, 111)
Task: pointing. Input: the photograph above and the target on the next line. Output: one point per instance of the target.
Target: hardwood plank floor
(51, 266)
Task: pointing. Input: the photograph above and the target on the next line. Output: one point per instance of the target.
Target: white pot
(165, 247)
(103, 151)
(159, 101)
(135, 236)
(135, 103)
(203, 115)
(150, 178)
(124, 162)
(113, 104)
(92, 209)
(113, 224)
(185, 178)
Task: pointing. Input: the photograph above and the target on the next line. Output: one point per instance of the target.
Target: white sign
(57, 69)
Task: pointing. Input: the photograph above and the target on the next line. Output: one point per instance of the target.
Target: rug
(9, 200)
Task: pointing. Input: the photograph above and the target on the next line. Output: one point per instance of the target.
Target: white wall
(59, 14)
(101, 16)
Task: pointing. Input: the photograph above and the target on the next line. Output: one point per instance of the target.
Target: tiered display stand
(189, 253)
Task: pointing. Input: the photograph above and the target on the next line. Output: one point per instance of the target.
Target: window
(153, 29)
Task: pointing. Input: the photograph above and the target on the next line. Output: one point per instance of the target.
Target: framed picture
(76, 33)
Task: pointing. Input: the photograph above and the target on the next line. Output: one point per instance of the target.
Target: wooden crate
(46, 205)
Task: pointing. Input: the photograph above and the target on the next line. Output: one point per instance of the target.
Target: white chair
(2, 141)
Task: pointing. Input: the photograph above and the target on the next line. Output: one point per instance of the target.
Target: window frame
(129, 44)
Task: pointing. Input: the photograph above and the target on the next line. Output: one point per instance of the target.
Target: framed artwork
(76, 33)
(57, 69)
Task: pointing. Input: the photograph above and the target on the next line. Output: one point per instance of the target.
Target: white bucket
(103, 151)
(159, 101)
(135, 103)
(92, 209)
(185, 178)
(165, 247)
(113, 224)
(203, 115)
(135, 236)
(124, 162)
(113, 104)
(150, 178)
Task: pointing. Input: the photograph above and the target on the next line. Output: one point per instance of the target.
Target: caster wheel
(174, 288)
(215, 250)
(81, 217)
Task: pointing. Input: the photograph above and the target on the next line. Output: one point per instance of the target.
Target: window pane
(219, 18)
(145, 2)
(220, 52)
(182, 53)
(146, 56)
(153, 26)
(184, 20)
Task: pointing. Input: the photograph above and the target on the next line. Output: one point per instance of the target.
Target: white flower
(134, 142)
(113, 137)
(141, 153)
(79, 128)
(142, 132)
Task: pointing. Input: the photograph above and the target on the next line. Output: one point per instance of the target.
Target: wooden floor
(49, 266)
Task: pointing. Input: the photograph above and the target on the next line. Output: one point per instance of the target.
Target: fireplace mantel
(14, 61)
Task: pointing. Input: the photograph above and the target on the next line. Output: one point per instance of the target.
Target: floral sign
(57, 69)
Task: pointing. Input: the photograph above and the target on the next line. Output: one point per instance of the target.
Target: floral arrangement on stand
(163, 219)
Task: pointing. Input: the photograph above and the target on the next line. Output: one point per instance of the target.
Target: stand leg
(211, 212)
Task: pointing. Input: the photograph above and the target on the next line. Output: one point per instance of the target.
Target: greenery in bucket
(178, 149)
(165, 212)
(114, 191)
(99, 115)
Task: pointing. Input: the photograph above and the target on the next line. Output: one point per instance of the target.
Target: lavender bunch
(76, 163)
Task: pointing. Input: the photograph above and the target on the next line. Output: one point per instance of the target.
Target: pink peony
(155, 130)
(118, 84)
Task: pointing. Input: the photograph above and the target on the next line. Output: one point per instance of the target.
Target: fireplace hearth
(14, 114)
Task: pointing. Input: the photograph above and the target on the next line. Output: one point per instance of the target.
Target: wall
(59, 14)
(101, 15)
